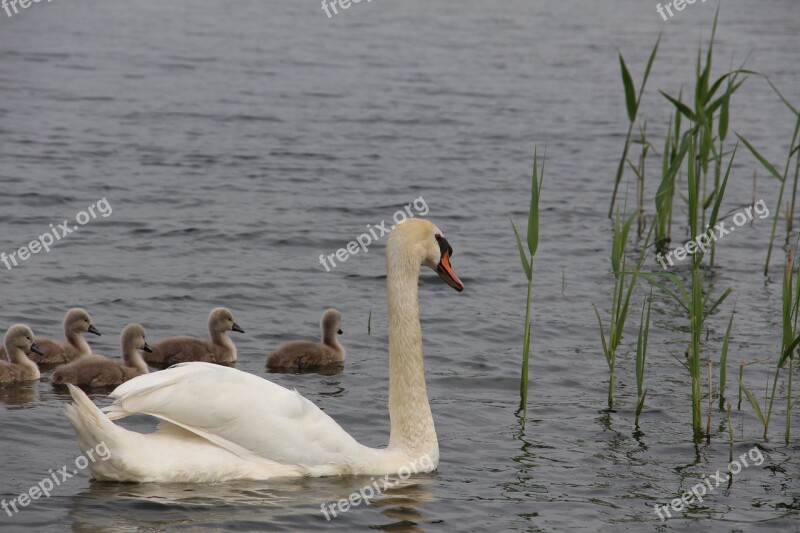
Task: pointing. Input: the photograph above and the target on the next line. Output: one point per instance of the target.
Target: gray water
(237, 141)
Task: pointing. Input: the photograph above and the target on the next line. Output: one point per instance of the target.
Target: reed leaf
(761, 159)
(630, 92)
(602, 336)
(533, 214)
(650, 278)
(721, 299)
(641, 344)
(631, 116)
(523, 257)
(723, 361)
(754, 404)
(682, 108)
(712, 221)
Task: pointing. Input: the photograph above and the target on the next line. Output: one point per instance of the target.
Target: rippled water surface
(238, 141)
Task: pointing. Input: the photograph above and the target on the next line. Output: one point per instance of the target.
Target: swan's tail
(98, 437)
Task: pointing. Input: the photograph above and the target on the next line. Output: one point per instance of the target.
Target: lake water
(237, 141)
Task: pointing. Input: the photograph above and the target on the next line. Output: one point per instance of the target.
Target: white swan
(220, 424)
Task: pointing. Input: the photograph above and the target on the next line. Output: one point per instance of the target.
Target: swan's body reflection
(292, 503)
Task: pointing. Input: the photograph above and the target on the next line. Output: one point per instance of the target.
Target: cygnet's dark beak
(147, 348)
(237, 327)
(35, 349)
(340, 331)
(93, 329)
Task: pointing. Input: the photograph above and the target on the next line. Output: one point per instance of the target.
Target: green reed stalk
(672, 160)
(790, 332)
(794, 152)
(623, 289)
(790, 340)
(639, 170)
(632, 102)
(730, 432)
(693, 301)
(789, 405)
(641, 356)
(741, 375)
(526, 258)
(702, 119)
(723, 360)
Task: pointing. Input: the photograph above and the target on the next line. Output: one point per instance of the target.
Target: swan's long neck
(17, 356)
(410, 413)
(133, 358)
(221, 339)
(330, 337)
(75, 338)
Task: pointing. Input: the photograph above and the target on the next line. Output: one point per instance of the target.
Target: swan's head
(20, 337)
(221, 319)
(420, 240)
(331, 321)
(133, 337)
(78, 321)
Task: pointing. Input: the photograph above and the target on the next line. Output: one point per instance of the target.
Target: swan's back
(10, 372)
(182, 349)
(54, 352)
(94, 370)
(300, 355)
(245, 412)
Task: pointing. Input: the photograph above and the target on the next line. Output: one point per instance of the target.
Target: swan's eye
(444, 246)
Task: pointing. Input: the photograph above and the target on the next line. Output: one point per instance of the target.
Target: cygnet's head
(221, 319)
(133, 337)
(78, 320)
(20, 337)
(331, 321)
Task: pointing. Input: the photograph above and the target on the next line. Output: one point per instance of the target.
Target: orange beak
(446, 272)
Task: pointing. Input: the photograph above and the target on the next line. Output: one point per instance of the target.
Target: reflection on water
(330, 370)
(276, 502)
(18, 394)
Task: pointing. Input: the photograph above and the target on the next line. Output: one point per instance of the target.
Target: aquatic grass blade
(523, 257)
(753, 403)
(681, 107)
(602, 336)
(723, 360)
(533, 214)
(761, 159)
(630, 92)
